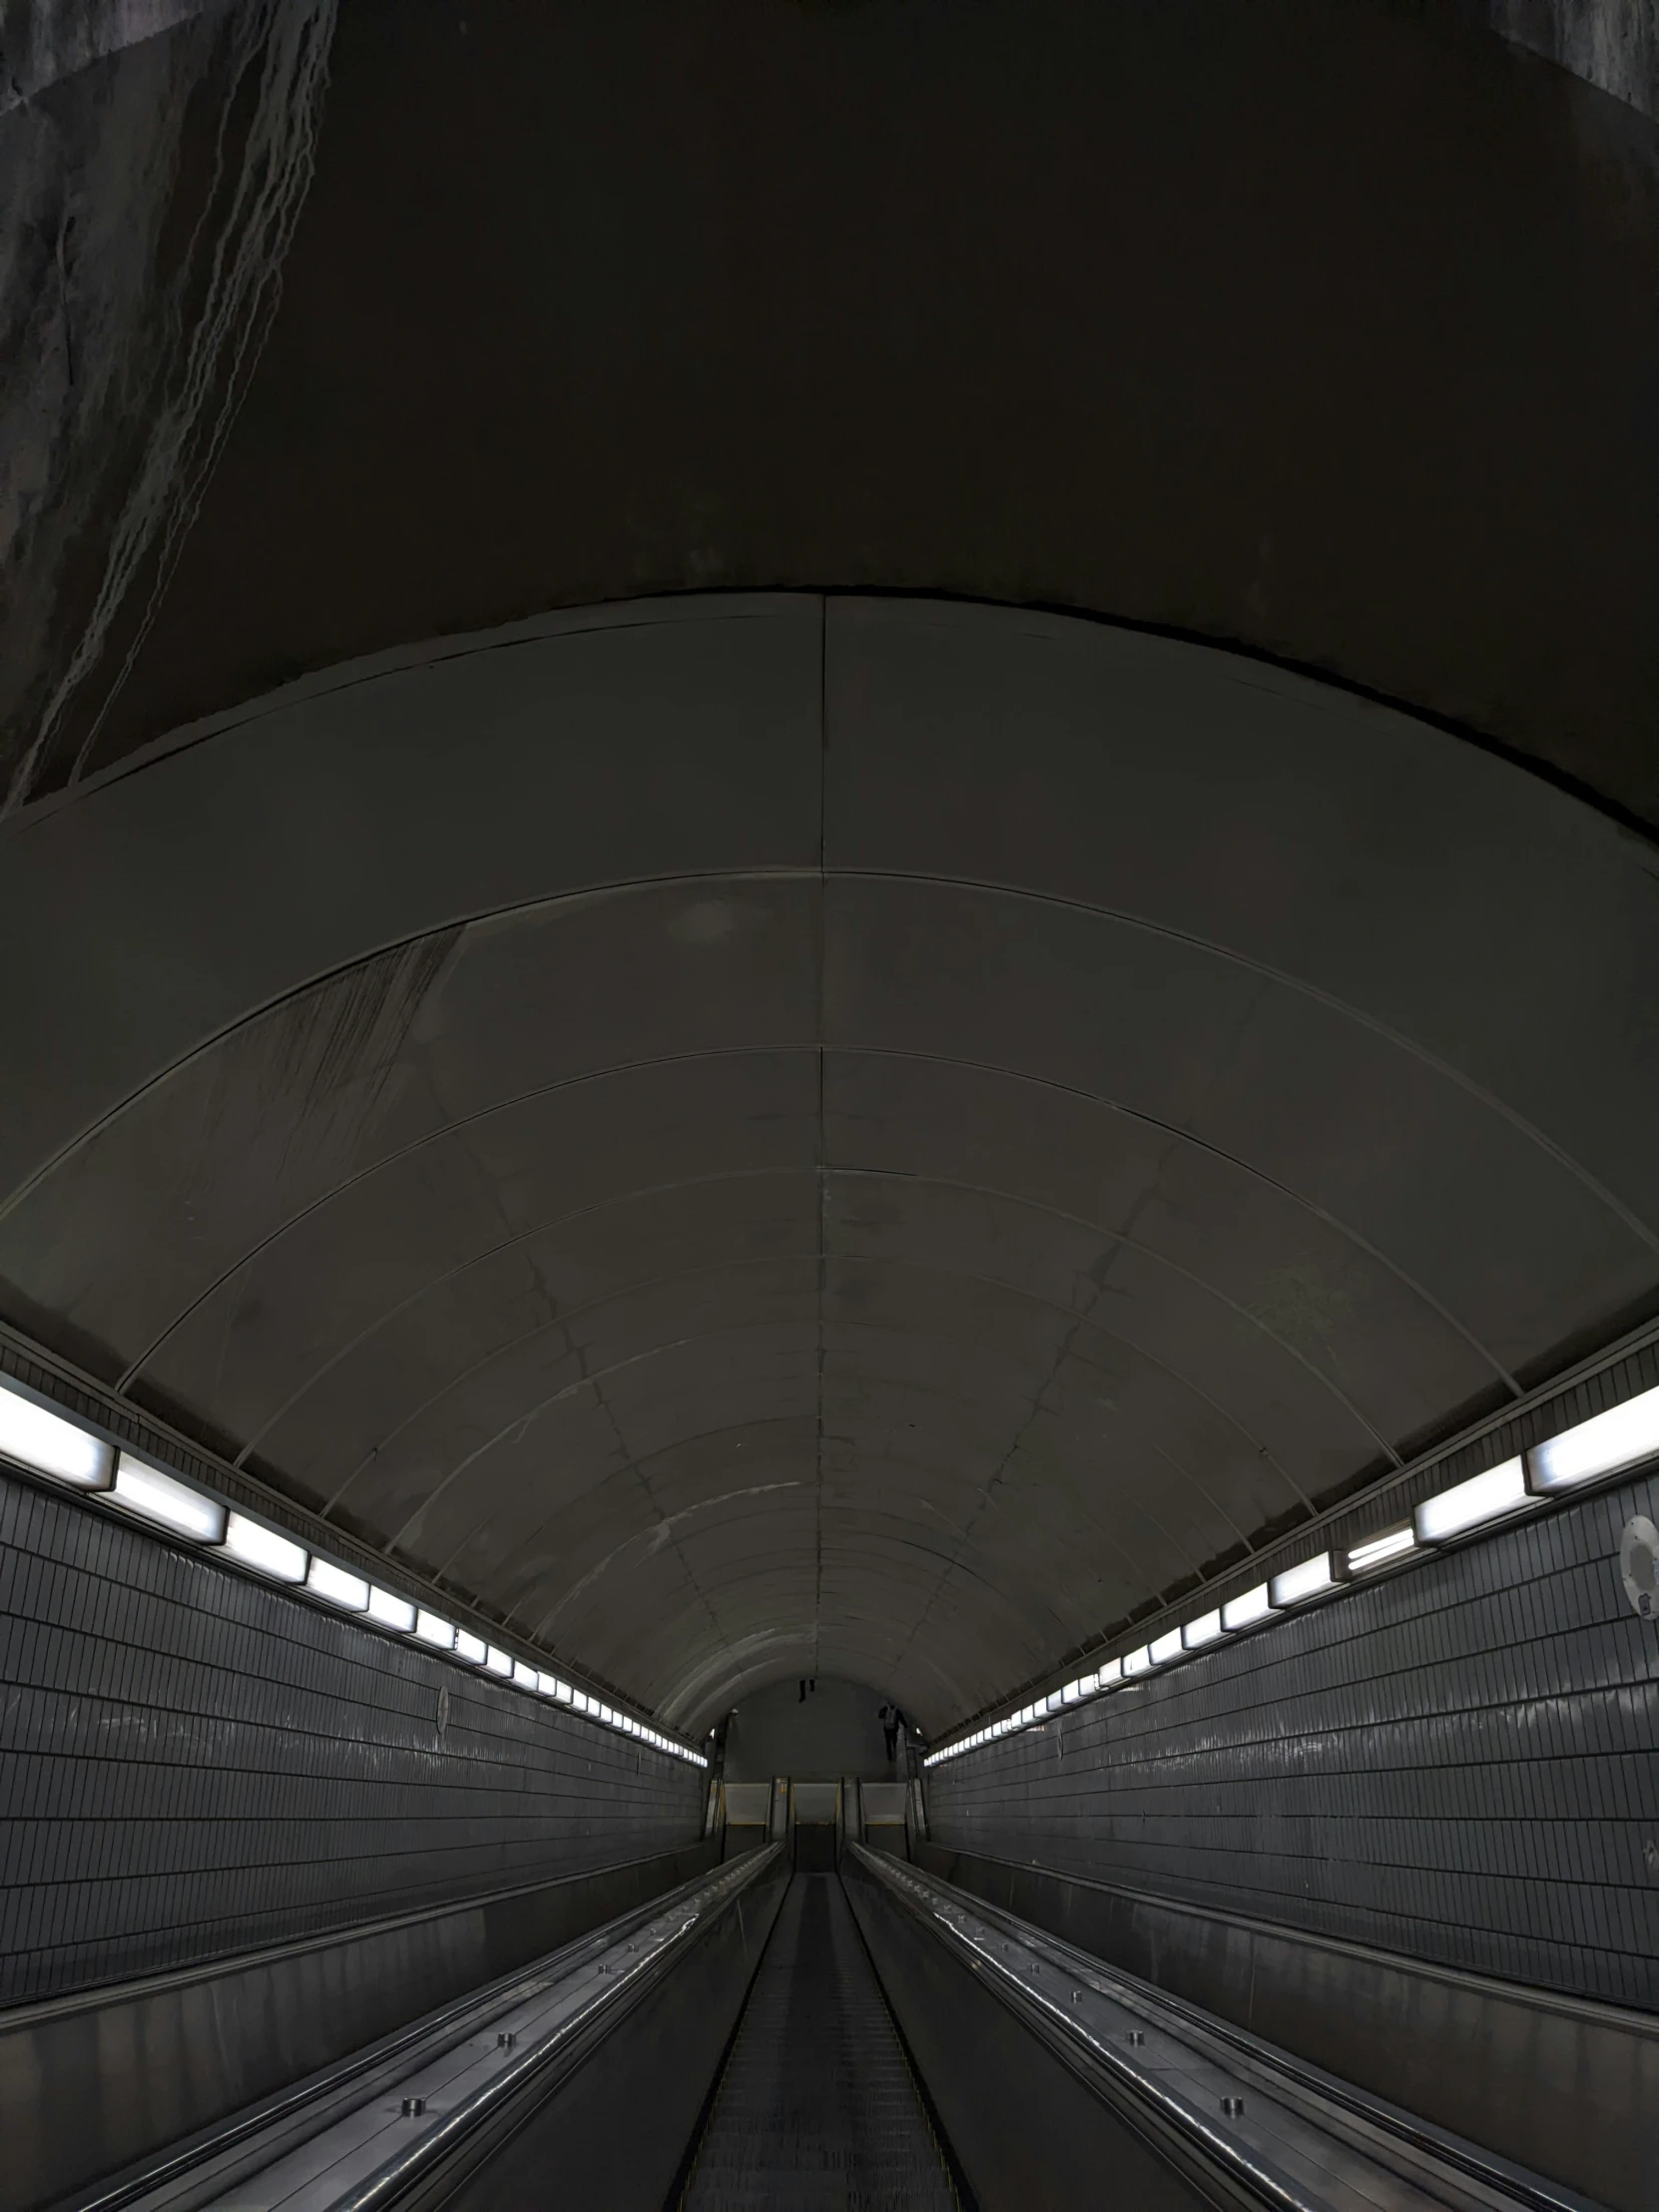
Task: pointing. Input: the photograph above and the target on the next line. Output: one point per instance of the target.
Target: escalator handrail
(950, 1913)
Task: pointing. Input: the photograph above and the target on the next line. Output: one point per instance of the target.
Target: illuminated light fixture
(497, 1661)
(1381, 1550)
(167, 1501)
(389, 1610)
(1164, 1648)
(565, 1694)
(549, 1685)
(471, 1648)
(264, 1550)
(335, 1587)
(1470, 1504)
(1312, 1579)
(1087, 1684)
(524, 1676)
(1072, 1692)
(47, 1444)
(1110, 1675)
(580, 1702)
(1248, 1610)
(1205, 1630)
(1138, 1661)
(1054, 1701)
(433, 1629)
(1605, 1445)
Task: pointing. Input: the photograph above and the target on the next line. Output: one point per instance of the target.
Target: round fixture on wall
(1639, 1566)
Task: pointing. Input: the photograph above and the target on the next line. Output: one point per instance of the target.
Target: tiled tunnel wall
(1461, 1763)
(193, 1764)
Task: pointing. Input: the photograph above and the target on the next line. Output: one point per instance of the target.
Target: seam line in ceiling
(761, 1260)
(1093, 1099)
(822, 877)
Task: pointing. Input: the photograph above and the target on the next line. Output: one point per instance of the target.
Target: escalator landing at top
(817, 2107)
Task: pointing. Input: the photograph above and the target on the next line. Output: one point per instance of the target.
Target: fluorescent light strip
(1247, 1610)
(389, 1610)
(335, 1587)
(46, 1443)
(1471, 1505)
(1312, 1578)
(165, 1502)
(1381, 1551)
(260, 1548)
(1606, 1444)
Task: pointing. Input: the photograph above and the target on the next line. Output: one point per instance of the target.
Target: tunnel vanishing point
(829, 1191)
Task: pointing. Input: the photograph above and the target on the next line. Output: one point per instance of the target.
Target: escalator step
(817, 2107)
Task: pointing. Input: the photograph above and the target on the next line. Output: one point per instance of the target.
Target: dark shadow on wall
(834, 1729)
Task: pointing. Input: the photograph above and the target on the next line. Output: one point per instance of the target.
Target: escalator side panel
(1030, 2135)
(612, 2134)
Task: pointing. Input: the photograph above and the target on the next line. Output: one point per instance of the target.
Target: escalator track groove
(817, 2107)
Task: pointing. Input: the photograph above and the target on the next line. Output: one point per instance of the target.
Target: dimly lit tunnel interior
(830, 1245)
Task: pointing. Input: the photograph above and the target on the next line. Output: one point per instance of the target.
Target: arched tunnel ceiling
(774, 1134)
(1324, 327)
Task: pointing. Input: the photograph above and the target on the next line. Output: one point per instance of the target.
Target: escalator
(816, 2106)
(865, 2038)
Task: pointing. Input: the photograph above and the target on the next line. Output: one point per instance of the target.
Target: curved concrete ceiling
(771, 1135)
(1324, 329)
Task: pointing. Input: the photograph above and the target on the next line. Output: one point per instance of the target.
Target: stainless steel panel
(90, 2083)
(459, 2096)
(1230, 2107)
(1560, 2085)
